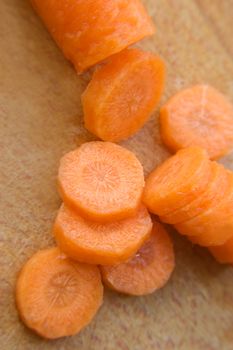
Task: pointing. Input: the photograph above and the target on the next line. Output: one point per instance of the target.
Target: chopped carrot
(56, 296)
(125, 92)
(101, 181)
(148, 270)
(95, 243)
(89, 31)
(223, 253)
(198, 116)
(178, 181)
(214, 226)
(206, 200)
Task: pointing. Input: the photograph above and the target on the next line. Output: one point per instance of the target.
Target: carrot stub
(148, 270)
(126, 91)
(97, 243)
(101, 181)
(56, 296)
(209, 198)
(88, 31)
(214, 226)
(198, 116)
(177, 181)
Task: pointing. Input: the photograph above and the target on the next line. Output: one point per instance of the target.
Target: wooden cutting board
(41, 119)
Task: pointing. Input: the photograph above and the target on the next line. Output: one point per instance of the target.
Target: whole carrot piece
(88, 31)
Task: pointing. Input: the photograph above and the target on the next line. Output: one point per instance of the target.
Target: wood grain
(41, 119)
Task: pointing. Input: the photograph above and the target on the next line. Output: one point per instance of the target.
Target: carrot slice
(101, 181)
(206, 200)
(148, 270)
(223, 253)
(198, 116)
(126, 91)
(95, 243)
(214, 226)
(88, 31)
(56, 296)
(178, 181)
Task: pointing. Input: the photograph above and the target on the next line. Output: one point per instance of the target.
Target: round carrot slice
(214, 226)
(223, 253)
(177, 181)
(148, 270)
(96, 243)
(206, 200)
(126, 91)
(56, 296)
(198, 116)
(89, 31)
(101, 181)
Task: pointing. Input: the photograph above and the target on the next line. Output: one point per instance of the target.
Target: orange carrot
(148, 270)
(101, 181)
(214, 226)
(125, 92)
(209, 198)
(88, 31)
(56, 296)
(95, 243)
(178, 181)
(198, 116)
(223, 253)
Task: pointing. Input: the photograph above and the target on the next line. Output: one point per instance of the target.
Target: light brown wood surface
(41, 119)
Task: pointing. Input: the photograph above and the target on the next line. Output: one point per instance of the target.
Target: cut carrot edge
(63, 278)
(125, 277)
(77, 249)
(115, 65)
(93, 216)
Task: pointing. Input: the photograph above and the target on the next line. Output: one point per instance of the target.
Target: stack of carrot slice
(196, 195)
(102, 222)
(104, 219)
(202, 116)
